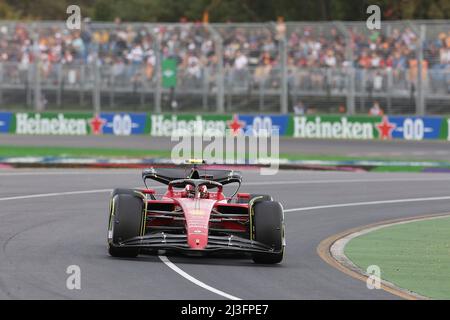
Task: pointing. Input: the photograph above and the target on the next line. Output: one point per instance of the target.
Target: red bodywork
(196, 213)
(196, 216)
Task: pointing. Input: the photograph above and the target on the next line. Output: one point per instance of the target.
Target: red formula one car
(195, 217)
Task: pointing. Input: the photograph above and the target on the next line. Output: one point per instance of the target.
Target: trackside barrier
(163, 125)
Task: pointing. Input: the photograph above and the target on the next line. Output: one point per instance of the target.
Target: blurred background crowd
(245, 47)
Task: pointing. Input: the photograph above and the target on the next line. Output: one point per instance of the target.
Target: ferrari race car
(195, 217)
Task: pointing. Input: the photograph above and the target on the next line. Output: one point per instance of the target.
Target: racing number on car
(122, 125)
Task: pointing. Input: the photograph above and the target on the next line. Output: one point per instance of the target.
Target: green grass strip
(31, 151)
(398, 169)
(414, 256)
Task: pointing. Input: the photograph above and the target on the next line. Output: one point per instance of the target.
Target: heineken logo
(164, 126)
(340, 128)
(57, 125)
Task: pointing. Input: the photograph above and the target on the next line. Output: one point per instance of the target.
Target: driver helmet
(190, 191)
(203, 190)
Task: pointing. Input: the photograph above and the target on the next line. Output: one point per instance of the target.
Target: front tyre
(256, 197)
(268, 223)
(126, 220)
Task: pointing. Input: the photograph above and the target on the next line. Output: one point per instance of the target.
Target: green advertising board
(444, 131)
(169, 73)
(334, 127)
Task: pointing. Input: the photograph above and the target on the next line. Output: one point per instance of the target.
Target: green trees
(225, 10)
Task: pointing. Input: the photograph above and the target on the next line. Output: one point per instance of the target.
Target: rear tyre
(268, 222)
(126, 219)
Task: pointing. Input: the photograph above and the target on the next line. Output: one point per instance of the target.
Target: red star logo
(97, 124)
(385, 128)
(235, 125)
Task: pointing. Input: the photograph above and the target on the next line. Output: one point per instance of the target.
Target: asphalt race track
(51, 219)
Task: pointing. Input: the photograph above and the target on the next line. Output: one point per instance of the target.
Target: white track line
(55, 194)
(172, 266)
(367, 203)
(264, 183)
(59, 173)
(58, 194)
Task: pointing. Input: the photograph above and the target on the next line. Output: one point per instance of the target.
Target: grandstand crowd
(250, 52)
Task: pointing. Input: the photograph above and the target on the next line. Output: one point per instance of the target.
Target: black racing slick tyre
(261, 197)
(122, 191)
(126, 220)
(127, 191)
(268, 223)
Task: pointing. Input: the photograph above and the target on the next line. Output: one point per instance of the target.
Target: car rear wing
(166, 175)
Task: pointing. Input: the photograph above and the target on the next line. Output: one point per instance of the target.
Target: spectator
(299, 108)
(330, 59)
(193, 69)
(241, 61)
(376, 110)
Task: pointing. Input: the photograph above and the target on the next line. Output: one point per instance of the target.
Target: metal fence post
(1, 82)
(351, 89)
(82, 83)
(112, 87)
(362, 105)
(29, 97)
(283, 52)
(421, 108)
(420, 98)
(284, 76)
(220, 82)
(205, 88)
(37, 77)
(350, 98)
(390, 83)
(220, 78)
(261, 94)
(60, 84)
(158, 75)
(96, 88)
